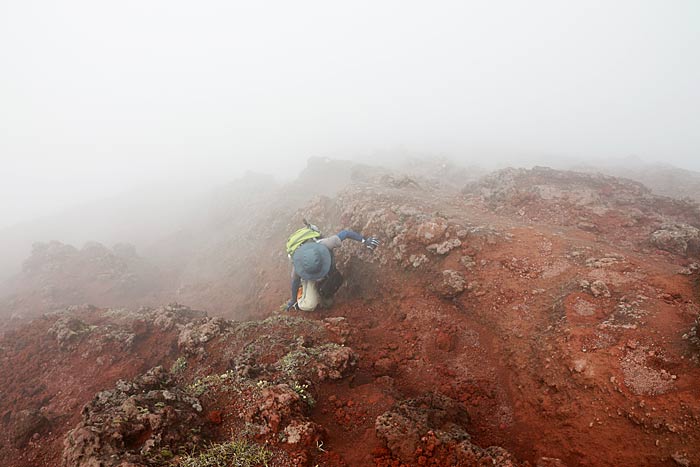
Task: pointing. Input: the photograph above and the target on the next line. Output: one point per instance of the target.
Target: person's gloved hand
(292, 305)
(370, 242)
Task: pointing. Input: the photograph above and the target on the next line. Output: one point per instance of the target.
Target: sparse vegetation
(297, 360)
(198, 387)
(179, 366)
(294, 361)
(201, 385)
(236, 453)
(302, 390)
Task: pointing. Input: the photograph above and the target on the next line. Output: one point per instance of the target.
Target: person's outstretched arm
(369, 242)
(351, 234)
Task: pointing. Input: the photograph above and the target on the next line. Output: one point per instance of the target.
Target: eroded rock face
(682, 239)
(612, 208)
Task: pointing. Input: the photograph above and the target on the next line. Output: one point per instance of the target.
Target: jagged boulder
(194, 335)
(435, 426)
(277, 405)
(318, 363)
(402, 427)
(68, 329)
(139, 422)
(682, 239)
(431, 231)
(450, 283)
(281, 410)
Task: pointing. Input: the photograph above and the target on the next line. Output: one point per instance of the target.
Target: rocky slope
(533, 317)
(662, 179)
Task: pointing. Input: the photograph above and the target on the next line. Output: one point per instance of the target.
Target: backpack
(299, 237)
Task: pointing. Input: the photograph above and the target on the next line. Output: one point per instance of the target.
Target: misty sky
(97, 98)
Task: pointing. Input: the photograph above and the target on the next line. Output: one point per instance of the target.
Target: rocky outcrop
(595, 203)
(435, 426)
(681, 239)
(81, 323)
(194, 334)
(68, 329)
(693, 338)
(140, 422)
(444, 247)
(281, 410)
(403, 427)
(57, 276)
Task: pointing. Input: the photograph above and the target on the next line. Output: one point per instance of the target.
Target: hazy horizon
(100, 99)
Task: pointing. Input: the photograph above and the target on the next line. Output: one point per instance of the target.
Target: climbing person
(313, 265)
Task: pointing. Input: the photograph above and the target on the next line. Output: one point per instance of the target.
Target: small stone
(681, 458)
(417, 260)
(444, 247)
(451, 285)
(587, 226)
(580, 365)
(467, 261)
(598, 288)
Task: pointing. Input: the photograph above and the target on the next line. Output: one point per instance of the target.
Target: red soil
(546, 367)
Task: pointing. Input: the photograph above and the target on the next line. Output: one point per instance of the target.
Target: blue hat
(312, 261)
